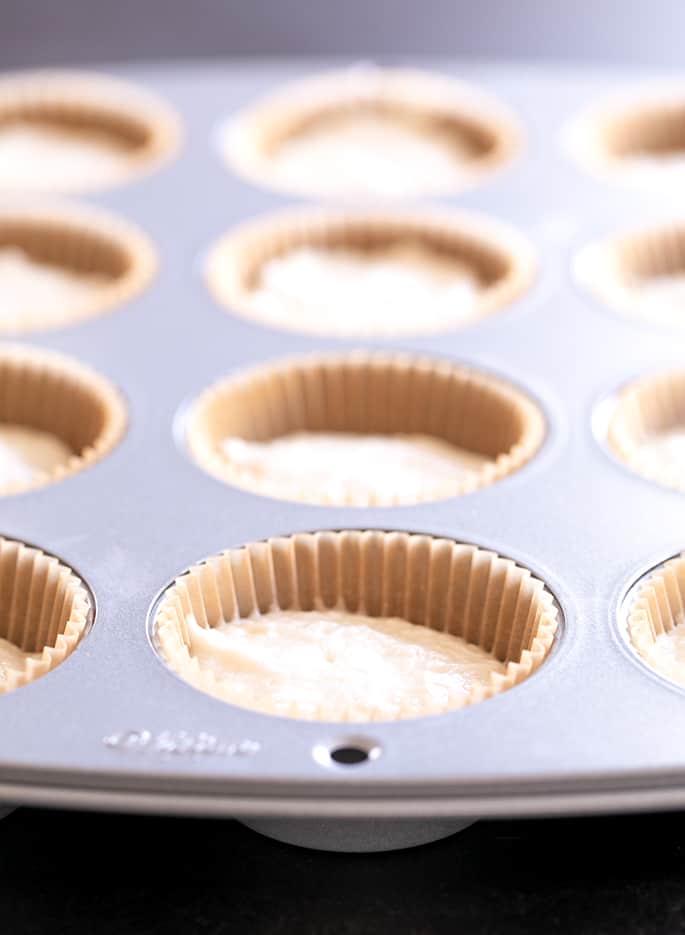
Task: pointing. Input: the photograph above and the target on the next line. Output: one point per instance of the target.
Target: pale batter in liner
(353, 469)
(451, 430)
(366, 291)
(57, 417)
(640, 273)
(647, 428)
(656, 620)
(44, 612)
(369, 274)
(224, 626)
(67, 131)
(62, 264)
(636, 139)
(372, 132)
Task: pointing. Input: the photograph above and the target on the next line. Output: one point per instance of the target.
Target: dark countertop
(63, 872)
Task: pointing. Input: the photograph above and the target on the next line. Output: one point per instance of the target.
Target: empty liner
(460, 589)
(640, 273)
(112, 259)
(498, 259)
(480, 133)
(657, 608)
(379, 394)
(44, 610)
(136, 126)
(646, 428)
(636, 140)
(52, 393)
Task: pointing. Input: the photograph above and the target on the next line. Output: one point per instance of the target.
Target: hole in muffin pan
(470, 428)
(447, 136)
(62, 265)
(457, 267)
(41, 441)
(97, 132)
(639, 273)
(46, 609)
(636, 140)
(642, 427)
(347, 752)
(416, 589)
(650, 618)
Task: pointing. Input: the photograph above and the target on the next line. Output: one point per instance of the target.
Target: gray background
(47, 32)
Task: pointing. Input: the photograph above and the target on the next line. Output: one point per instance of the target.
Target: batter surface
(41, 157)
(667, 655)
(33, 292)
(666, 450)
(360, 153)
(333, 665)
(27, 452)
(346, 468)
(662, 298)
(397, 290)
(12, 659)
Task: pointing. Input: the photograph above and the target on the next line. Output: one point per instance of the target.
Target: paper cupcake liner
(644, 409)
(658, 606)
(632, 138)
(618, 269)
(451, 587)
(501, 259)
(383, 394)
(53, 393)
(138, 120)
(420, 98)
(83, 241)
(44, 608)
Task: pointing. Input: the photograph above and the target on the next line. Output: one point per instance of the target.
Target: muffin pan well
(60, 265)
(389, 133)
(487, 428)
(472, 266)
(592, 729)
(79, 131)
(437, 585)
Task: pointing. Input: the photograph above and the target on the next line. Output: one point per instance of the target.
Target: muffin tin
(592, 730)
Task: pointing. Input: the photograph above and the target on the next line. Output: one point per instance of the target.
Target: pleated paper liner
(658, 606)
(52, 393)
(135, 122)
(369, 393)
(80, 241)
(647, 412)
(499, 259)
(450, 587)
(640, 273)
(44, 608)
(636, 139)
(483, 134)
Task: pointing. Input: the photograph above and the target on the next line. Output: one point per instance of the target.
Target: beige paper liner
(614, 270)
(658, 606)
(642, 124)
(454, 588)
(646, 408)
(83, 241)
(384, 394)
(44, 608)
(423, 100)
(501, 259)
(136, 119)
(48, 391)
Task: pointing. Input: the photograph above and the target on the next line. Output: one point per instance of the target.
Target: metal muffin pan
(592, 730)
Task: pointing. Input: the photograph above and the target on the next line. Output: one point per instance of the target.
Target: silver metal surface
(592, 730)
